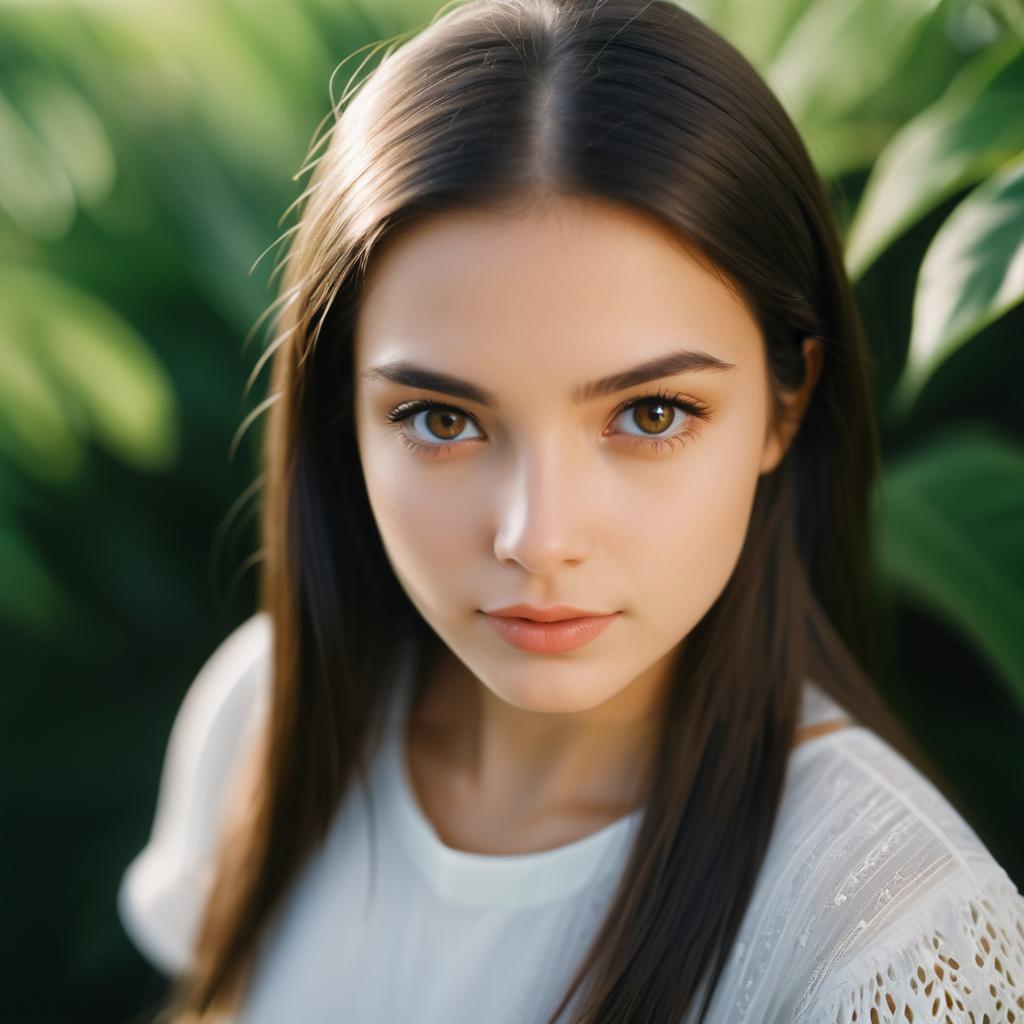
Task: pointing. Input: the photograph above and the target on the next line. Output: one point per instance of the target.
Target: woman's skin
(536, 498)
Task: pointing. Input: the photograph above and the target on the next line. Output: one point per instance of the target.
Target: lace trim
(968, 969)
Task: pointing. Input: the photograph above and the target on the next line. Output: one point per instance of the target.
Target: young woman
(556, 705)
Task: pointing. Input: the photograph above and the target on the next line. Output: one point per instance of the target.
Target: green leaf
(72, 132)
(29, 597)
(74, 368)
(973, 129)
(972, 273)
(847, 146)
(756, 30)
(35, 430)
(840, 52)
(34, 190)
(951, 535)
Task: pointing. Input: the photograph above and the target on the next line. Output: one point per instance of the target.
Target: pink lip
(553, 637)
(553, 614)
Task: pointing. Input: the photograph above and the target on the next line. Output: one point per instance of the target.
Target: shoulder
(228, 685)
(907, 914)
(958, 955)
(218, 722)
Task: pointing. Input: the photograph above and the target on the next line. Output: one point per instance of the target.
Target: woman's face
(561, 477)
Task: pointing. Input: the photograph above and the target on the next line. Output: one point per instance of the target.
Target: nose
(542, 513)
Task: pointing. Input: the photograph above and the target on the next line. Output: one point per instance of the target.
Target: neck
(533, 765)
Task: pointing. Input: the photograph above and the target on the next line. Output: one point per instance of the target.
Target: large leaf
(974, 128)
(756, 30)
(847, 146)
(29, 597)
(34, 190)
(71, 369)
(72, 131)
(36, 431)
(951, 535)
(972, 273)
(840, 52)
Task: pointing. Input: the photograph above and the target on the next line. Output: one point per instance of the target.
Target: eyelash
(698, 413)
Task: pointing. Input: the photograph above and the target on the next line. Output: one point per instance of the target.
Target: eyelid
(694, 405)
(413, 405)
(697, 411)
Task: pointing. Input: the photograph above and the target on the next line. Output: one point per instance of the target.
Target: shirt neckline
(464, 878)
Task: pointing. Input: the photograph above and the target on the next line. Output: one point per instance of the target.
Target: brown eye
(661, 420)
(429, 424)
(654, 417)
(434, 428)
(445, 424)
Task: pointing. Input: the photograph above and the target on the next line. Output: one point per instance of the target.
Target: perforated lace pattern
(973, 977)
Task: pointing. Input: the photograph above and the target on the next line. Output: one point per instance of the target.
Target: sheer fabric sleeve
(163, 890)
(959, 958)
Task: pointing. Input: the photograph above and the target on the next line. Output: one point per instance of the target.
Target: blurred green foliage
(147, 152)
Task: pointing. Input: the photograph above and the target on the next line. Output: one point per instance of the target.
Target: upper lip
(553, 614)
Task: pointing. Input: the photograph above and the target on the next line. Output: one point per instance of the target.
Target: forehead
(578, 286)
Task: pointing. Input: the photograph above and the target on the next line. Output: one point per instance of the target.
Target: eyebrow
(683, 361)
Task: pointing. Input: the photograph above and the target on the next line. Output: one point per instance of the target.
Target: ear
(781, 435)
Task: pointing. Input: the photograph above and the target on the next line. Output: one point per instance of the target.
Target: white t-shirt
(876, 900)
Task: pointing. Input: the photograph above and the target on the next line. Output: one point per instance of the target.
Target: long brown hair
(498, 103)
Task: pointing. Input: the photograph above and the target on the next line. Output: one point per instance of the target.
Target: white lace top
(876, 902)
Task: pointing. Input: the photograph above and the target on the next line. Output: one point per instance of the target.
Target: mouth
(556, 613)
(554, 636)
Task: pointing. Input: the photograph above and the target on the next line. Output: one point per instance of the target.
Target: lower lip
(549, 637)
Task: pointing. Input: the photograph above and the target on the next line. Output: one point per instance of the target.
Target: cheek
(426, 518)
(688, 530)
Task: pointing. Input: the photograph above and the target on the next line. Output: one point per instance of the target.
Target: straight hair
(499, 105)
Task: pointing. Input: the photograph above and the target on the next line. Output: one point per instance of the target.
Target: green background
(148, 154)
